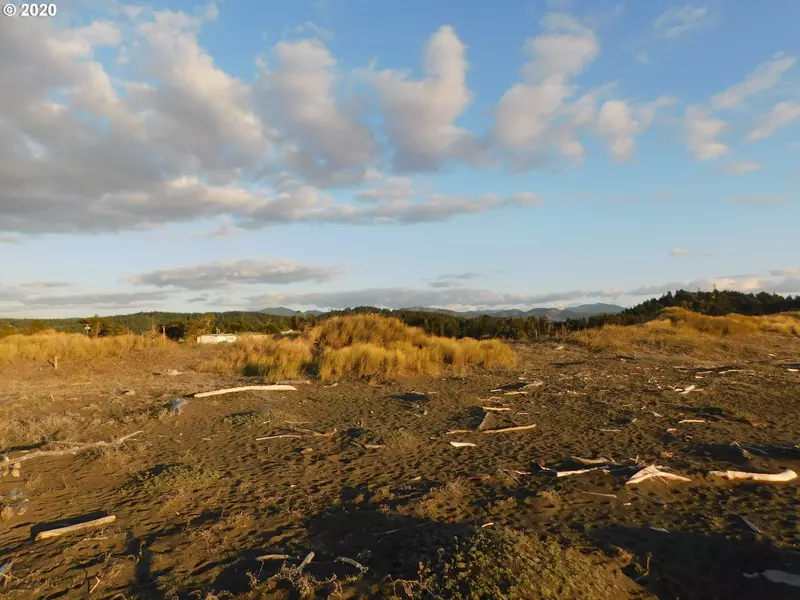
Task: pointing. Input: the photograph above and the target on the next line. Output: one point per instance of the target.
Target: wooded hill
(187, 325)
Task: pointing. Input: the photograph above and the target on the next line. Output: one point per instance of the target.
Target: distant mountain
(282, 311)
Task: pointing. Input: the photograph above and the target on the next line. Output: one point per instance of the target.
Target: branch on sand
(787, 475)
(248, 388)
(508, 429)
(43, 535)
(77, 448)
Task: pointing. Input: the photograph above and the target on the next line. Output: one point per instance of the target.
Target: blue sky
(330, 153)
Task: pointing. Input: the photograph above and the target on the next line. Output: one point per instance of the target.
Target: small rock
(306, 451)
(129, 392)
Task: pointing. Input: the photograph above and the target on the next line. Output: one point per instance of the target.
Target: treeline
(179, 326)
(715, 303)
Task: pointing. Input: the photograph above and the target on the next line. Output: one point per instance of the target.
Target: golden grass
(682, 331)
(49, 344)
(358, 345)
(269, 357)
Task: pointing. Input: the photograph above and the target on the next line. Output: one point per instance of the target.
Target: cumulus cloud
(786, 272)
(620, 122)
(527, 113)
(782, 114)
(764, 77)
(298, 94)
(677, 20)
(420, 115)
(786, 284)
(742, 168)
(403, 297)
(223, 273)
(702, 130)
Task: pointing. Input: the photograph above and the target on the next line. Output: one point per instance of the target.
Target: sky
(239, 155)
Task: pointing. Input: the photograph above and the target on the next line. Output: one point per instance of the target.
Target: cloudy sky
(326, 153)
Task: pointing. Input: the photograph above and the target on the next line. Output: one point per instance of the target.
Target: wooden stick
(496, 408)
(452, 431)
(484, 422)
(306, 561)
(654, 471)
(351, 562)
(577, 471)
(508, 429)
(77, 449)
(374, 446)
(462, 444)
(276, 557)
(602, 495)
(693, 421)
(591, 461)
(248, 388)
(43, 535)
(275, 437)
(787, 475)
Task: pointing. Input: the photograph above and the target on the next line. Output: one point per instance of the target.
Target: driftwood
(352, 563)
(693, 421)
(591, 461)
(276, 557)
(496, 408)
(776, 576)
(374, 446)
(462, 444)
(750, 524)
(306, 561)
(654, 471)
(43, 535)
(275, 437)
(454, 431)
(76, 449)
(484, 422)
(248, 388)
(601, 495)
(509, 429)
(4, 569)
(787, 475)
(577, 471)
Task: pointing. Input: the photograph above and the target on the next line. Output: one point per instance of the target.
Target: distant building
(217, 338)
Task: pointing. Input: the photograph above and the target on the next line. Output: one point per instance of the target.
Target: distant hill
(282, 311)
(553, 314)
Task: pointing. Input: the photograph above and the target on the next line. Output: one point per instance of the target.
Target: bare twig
(509, 429)
(352, 563)
(654, 471)
(787, 475)
(275, 437)
(276, 557)
(248, 388)
(76, 449)
(462, 444)
(496, 408)
(43, 535)
(306, 561)
(484, 422)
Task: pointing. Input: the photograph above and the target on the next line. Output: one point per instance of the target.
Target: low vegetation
(504, 564)
(680, 331)
(49, 344)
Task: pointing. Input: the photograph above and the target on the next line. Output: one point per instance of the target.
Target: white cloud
(91, 300)
(702, 130)
(782, 114)
(420, 115)
(45, 284)
(619, 122)
(527, 114)
(679, 252)
(765, 76)
(742, 168)
(298, 94)
(223, 273)
(794, 272)
(677, 20)
(404, 297)
(392, 188)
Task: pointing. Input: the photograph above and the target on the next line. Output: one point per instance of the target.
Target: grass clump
(175, 477)
(269, 357)
(49, 344)
(503, 564)
(247, 418)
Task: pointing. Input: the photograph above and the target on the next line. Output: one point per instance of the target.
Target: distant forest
(179, 326)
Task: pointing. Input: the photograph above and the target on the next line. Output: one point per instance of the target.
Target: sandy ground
(198, 498)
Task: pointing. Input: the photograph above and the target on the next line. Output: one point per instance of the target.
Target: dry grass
(49, 344)
(359, 345)
(269, 357)
(685, 332)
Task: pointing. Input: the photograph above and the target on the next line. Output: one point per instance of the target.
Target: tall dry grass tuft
(274, 358)
(359, 345)
(682, 331)
(48, 344)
